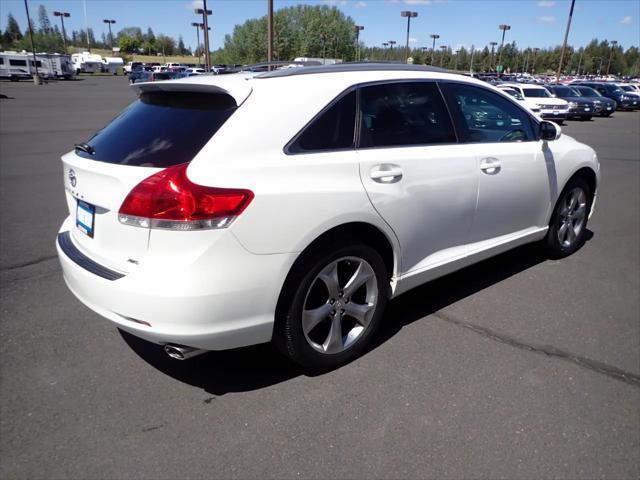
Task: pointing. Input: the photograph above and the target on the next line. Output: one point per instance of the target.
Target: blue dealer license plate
(85, 217)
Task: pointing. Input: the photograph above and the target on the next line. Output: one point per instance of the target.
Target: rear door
(159, 130)
(422, 183)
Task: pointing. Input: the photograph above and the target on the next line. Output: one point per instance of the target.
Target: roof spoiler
(238, 88)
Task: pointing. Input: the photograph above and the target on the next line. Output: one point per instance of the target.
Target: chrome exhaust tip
(182, 352)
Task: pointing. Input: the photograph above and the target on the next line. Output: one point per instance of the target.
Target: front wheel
(332, 305)
(568, 225)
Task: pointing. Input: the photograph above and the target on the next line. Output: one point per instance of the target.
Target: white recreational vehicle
(86, 62)
(112, 64)
(19, 65)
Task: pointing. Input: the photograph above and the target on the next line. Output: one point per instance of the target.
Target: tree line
(325, 32)
(47, 37)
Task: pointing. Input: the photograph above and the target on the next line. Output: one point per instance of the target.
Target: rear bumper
(224, 299)
(554, 114)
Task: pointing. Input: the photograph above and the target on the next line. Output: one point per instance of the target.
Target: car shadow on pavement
(252, 368)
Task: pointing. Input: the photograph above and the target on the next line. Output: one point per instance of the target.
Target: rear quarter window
(161, 129)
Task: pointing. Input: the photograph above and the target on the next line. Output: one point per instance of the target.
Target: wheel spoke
(333, 342)
(562, 232)
(571, 234)
(329, 277)
(311, 318)
(580, 211)
(360, 312)
(573, 200)
(359, 278)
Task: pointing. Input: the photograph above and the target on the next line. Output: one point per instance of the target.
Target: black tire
(552, 245)
(586, 118)
(303, 283)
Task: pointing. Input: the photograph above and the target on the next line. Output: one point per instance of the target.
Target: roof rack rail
(350, 67)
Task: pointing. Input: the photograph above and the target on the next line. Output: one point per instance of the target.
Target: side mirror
(549, 131)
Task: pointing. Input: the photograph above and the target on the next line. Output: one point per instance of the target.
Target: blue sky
(535, 23)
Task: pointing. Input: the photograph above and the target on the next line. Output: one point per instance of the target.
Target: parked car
(375, 180)
(608, 105)
(624, 101)
(195, 71)
(131, 66)
(551, 108)
(535, 109)
(579, 107)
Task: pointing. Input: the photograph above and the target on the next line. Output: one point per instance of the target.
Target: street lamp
(198, 27)
(613, 46)
(205, 14)
(433, 47)
(455, 65)
(443, 48)
(535, 52)
(493, 45)
(504, 29)
(109, 22)
(391, 44)
(62, 15)
(409, 15)
(357, 28)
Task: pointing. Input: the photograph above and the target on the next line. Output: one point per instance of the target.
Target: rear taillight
(168, 199)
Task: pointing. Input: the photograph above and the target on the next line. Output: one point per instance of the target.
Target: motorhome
(86, 62)
(112, 64)
(59, 66)
(20, 65)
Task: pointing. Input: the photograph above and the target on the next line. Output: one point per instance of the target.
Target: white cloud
(546, 3)
(360, 4)
(334, 3)
(547, 19)
(417, 2)
(413, 40)
(626, 20)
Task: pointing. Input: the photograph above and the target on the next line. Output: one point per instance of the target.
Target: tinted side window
(483, 116)
(18, 63)
(333, 129)
(400, 114)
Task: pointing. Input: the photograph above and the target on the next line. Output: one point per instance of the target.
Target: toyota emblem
(72, 177)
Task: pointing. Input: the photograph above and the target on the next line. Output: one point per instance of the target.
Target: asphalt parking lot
(518, 367)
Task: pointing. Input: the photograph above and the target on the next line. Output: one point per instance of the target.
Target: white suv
(290, 206)
(551, 108)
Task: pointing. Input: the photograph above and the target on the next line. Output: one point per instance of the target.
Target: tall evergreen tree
(43, 20)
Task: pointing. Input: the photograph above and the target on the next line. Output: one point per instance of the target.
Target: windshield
(588, 92)
(535, 92)
(628, 88)
(563, 92)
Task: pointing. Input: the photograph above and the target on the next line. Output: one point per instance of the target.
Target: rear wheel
(332, 305)
(568, 225)
(586, 117)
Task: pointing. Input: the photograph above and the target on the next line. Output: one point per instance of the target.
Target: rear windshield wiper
(85, 147)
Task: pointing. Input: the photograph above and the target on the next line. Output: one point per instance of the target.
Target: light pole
(433, 47)
(62, 15)
(564, 44)
(198, 27)
(205, 14)
(384, 50)
(455, 65)
(504, 29)
(409, 15)
(36, 78)
(613, 46)
(443, 48)
(580, 62)
(391, 44)
(493, 45)
(109, 22)
(526, 63)
(357, 28)
(535, 52)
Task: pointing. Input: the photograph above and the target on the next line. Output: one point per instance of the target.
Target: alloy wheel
(571, 217)
(339, 305)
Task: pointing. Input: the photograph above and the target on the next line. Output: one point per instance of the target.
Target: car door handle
(386, 173)
(490, 165)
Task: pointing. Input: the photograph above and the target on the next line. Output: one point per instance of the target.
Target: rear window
(161, 129)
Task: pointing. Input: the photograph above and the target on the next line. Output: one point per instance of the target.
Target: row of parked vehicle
(580, 99)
